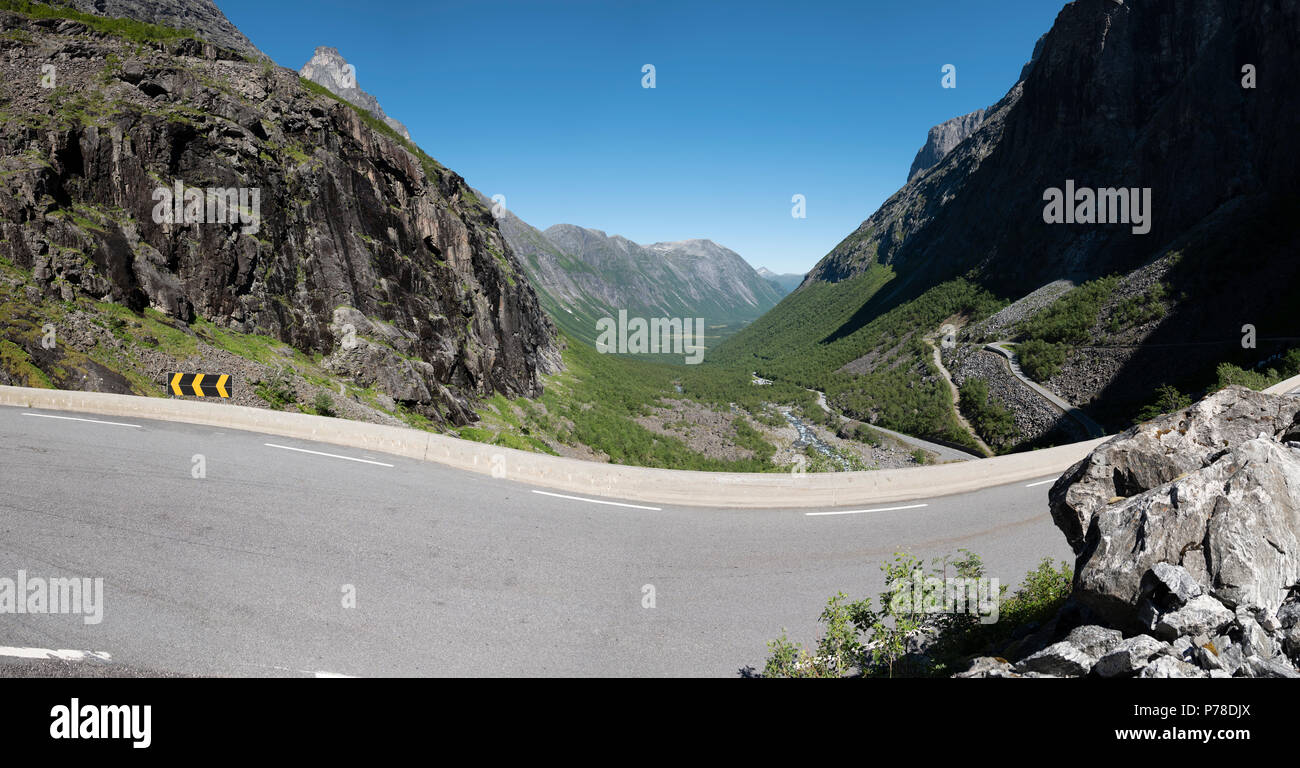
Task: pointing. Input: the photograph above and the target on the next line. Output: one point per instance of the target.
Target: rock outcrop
(334, 212)
(1187, 530)
(201, 16)
(329, 69)
(941, 140)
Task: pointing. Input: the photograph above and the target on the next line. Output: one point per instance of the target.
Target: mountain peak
(328, 68)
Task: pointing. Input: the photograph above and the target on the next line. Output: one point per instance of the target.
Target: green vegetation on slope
(1049, 334)
(994, 423)
(594, 403)
(870, 358)
(130, 29)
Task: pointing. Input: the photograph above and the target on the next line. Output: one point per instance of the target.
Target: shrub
(276, 390)
(324, 404)
(1040, 360)
(1168, 399)
(991, 420)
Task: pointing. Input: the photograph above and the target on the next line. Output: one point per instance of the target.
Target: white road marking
(331, 455)
(1041, 482)
(45, 653)
(74, 418)
(598, 501)
(864, 511)
(332, 674)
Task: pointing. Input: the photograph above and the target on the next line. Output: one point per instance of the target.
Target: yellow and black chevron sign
(201, 384)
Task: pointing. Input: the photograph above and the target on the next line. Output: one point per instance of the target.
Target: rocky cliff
(175, 175)
(941, 140)
(328, 68)
(1121, 94)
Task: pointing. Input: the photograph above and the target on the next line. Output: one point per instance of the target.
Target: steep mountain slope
(341, 239)
(201, 16)
(678, 279)
(328, 68)
(1142, 95)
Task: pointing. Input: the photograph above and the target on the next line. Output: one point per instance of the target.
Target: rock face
(1187, 530)
(329, 69)
(345, 216)
(942, 139)
(1213, 489)
(1137, 95)
(202, 16)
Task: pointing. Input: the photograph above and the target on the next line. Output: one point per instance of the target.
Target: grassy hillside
(865, 348)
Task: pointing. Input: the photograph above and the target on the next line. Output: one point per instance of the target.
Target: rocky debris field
(1036, 419)
(1187, 532)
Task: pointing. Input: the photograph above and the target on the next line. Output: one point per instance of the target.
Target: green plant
(992, 421)
(276, 389)
(1168, 399)
(324, 404)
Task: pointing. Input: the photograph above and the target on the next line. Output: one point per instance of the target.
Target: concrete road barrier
(642, 484)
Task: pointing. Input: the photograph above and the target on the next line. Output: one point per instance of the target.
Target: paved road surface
(243, 572)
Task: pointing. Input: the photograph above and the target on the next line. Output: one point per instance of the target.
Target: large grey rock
(1168, 666)
(1155, 453)
(1200, 489)
(1096, 641)
(1276, 667)
(1203, 615)
(1172, 586)
(1061, 659)
(1129, 656)
(988, 666)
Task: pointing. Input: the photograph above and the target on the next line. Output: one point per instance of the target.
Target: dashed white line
(331, 455)
(74, 418)
(598, 501)
(46, 653)
(864, 511)
(1041, 482)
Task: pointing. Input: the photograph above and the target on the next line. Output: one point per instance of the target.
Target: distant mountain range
(583, 275)
(784, 282)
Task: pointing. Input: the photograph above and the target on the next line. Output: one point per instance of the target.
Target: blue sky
(756, 101)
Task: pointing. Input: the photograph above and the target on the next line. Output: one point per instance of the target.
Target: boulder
(1061, 659)
(1236, 520)
(1202, 615)
(1128, 657)
(1168, 666)
(1157, 452)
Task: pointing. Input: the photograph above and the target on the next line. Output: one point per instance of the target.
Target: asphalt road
(244, 571)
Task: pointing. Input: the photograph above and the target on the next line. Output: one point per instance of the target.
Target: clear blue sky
(755, 101)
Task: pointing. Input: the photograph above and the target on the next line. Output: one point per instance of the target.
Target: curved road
(243, 572)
